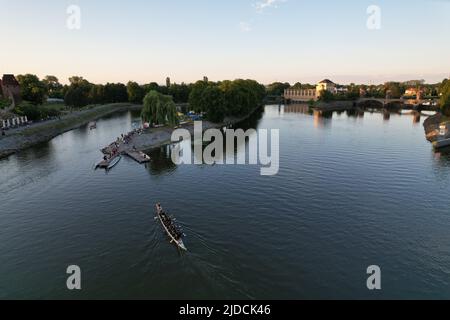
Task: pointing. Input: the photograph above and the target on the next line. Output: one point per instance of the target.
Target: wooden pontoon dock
(124, 146)
(138, 156)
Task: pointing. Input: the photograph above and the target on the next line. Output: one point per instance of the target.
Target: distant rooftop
(326, 81)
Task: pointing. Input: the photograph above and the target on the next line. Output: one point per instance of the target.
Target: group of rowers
(168, 223)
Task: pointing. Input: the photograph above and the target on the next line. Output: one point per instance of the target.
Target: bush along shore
(22, 138)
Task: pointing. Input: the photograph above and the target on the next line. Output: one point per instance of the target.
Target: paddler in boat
(158, 207)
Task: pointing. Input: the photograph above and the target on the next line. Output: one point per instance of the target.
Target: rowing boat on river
(169, 227)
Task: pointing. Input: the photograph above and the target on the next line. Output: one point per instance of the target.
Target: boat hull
(178, 243)
(108, 165)
(441, 143)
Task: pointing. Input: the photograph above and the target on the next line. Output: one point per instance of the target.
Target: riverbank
(25, 137)
(335, 106)
(157, 137)
(432, 126)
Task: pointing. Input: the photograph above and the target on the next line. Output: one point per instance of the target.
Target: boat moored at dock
(108, 164)
(441, 143)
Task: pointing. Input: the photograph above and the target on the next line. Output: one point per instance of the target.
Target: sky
(266, 40)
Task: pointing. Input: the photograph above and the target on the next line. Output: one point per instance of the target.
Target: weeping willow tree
(159, 109)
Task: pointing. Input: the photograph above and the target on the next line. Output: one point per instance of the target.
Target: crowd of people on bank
(125, 139)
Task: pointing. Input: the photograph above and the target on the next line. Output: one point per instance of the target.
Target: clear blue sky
(267, 40)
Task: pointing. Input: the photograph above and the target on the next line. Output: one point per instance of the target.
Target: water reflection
(354, 113)
(443, 156)
(416, 118)
(161, 161)
(322, 119)
(251, 122)
(298, 108)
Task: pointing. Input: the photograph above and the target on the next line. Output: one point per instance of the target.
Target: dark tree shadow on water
(251, 122)
(161, 162)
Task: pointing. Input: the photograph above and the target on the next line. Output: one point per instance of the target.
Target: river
(352, 191)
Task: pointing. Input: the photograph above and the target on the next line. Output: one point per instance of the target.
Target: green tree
(153, 86)
(196, 101)
(326, 96)
(394, 89)
(78, 92)
(135, 92)
(115, 92)
(353, 92)
(445, 97)
(97, 94)
(28, 109)
(32, 89)
(277, 88)
(180, 92)
(227, 98)
(159, 109)
(297, 86)
(54, 88)
(213, 103)
(77, 97)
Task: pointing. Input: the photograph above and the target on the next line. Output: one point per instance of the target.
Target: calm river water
(352, 191)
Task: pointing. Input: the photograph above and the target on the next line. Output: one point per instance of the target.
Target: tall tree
(32, 89)
(277, 88)
(78, 92)
(196, 101)
(135, 92)
(54, 88)
(159, 109)
(115, 92)
(445, 97)
(214, 104)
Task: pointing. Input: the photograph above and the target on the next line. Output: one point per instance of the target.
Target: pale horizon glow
(266, 40)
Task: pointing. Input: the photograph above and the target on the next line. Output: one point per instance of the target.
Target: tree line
(218, 100)
(394, 89)
(80, 92)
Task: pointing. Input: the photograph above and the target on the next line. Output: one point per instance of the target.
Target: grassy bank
(77, 119)
(26, 137)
